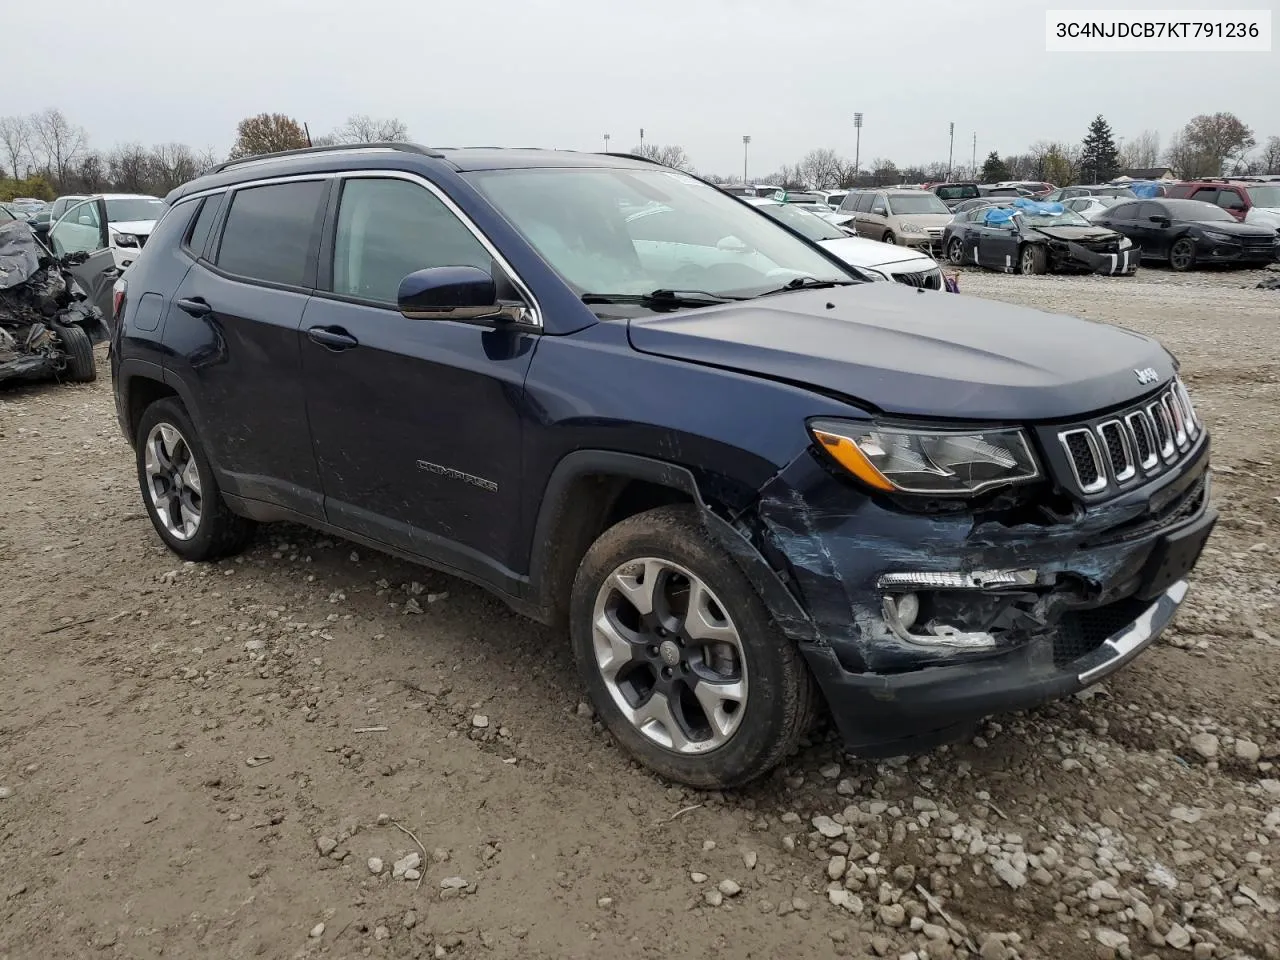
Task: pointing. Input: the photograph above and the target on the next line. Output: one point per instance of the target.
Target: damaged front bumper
(1104, 262)
(920, 624)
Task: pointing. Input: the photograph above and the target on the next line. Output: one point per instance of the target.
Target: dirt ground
(202, 760)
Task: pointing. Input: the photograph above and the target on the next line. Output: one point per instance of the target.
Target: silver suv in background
(911, 218)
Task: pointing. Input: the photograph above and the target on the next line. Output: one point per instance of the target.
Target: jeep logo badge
(1147, 375)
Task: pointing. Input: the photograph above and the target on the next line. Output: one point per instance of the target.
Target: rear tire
(707, 692)
(179, 491)
(889, 237)
(81, 367)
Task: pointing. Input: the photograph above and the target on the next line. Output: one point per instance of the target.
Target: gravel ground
(315, 750)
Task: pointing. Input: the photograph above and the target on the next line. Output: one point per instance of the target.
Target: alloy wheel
(670, 656)
(955, 251)
(1182, 254)
(173, 481)
(1028, 260)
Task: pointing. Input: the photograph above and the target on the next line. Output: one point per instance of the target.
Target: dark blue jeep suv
(747, 480)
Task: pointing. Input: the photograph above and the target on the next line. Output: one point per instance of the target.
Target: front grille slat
(1146, 438)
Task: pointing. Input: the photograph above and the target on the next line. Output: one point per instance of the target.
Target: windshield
(802, 221)
(957, 191)
(1197, 210)
(1067, 218)
(924, 203)
(1265, 196)
(5, 215)
(134, 208)
(626, 231)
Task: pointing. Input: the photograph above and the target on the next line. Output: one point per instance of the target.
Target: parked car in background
(912, 218)
(1188, 233)
(953, 194)
(749, 189)
(1092, 207)
(130, 218)
(1035, 237)
(887, 261)
(1247, 202)
(63, 204)
(741, 483)
(991, 190)
(978, 202)
(1037, 188)
(1089, 190)
(834, 197)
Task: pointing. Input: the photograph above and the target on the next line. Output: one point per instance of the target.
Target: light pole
(606, 143)
(974, 161)
(642, 139)
(746, 142)
(951, 150)
(857, 150)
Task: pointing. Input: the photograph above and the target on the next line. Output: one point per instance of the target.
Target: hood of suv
(903, 352)
(139, 228)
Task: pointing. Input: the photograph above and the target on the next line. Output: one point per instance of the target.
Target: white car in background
(129, 220)
(886, 260)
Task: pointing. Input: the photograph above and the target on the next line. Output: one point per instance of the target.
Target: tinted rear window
(199, 234)
(270, 230)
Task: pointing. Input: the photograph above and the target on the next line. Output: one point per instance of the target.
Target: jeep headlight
(937, 462)
(125, 240)
(912, 228)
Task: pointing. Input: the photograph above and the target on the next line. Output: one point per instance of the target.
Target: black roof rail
(307, 151)
(632, 156)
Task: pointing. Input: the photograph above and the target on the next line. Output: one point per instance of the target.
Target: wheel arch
(591, 490)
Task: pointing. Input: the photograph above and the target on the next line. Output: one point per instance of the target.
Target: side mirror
(453, 293)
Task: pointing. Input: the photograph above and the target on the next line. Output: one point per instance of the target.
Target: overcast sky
(561, 73)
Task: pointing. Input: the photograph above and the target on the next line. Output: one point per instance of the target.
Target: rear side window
(1124, 211)
(172, 225)
(850, 203)
(198, 235)
(270, 232)
(864, 202)
(387, 229)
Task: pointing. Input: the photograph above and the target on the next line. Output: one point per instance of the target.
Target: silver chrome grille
(926, 279)
(1145, 439)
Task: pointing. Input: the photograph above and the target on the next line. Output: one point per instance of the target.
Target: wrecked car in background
(47, 324)
(1029, 236)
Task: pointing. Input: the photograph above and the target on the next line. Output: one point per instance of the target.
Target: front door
(416, 424)
(83, 229)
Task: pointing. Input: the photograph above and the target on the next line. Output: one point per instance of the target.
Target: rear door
(83, 229)
(416, 423)
(233, 332)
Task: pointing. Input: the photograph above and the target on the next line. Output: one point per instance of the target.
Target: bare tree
(362, 128)
(61, 141)
(129, 167)
(1270, 159)
(670, 156)
(1191, 160)
(172, 164)
(15, 139)
(821, 169)
(207, 159)
(885, 171)
(1142, 151)
(89, 174)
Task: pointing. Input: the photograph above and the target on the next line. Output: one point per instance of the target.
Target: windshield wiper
(661, 298)
(808, 283)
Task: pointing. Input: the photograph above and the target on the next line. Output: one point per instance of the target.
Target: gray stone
(730, 888)
(1113, 939)
(713, 898)
(827, 827)
(1205, 744)
(1248, 751)
(411, 861)
(1007, 872)
(326, 845)
(375, 866)
(1177, 937)
(892, 914)
(836, 867)
(846, 900)
(317, 931)
(480, 721)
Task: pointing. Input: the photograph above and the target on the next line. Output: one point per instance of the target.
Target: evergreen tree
(994, 169)
(1099, 158)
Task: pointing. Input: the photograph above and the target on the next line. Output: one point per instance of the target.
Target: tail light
(117, 299)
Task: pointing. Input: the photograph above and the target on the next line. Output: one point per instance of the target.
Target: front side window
(1265, 196)
(271, 230)
(1193, 210)
(389, 228)
(905, 204)
(865, 202)
(79, 230)
(1230, 200)
(629, 231)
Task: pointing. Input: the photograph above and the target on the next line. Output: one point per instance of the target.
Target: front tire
(955, 252)
(1033, 259)
(179, 491)
(889, 237)
(81, 367)
(681, 658)
(1182, 255)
